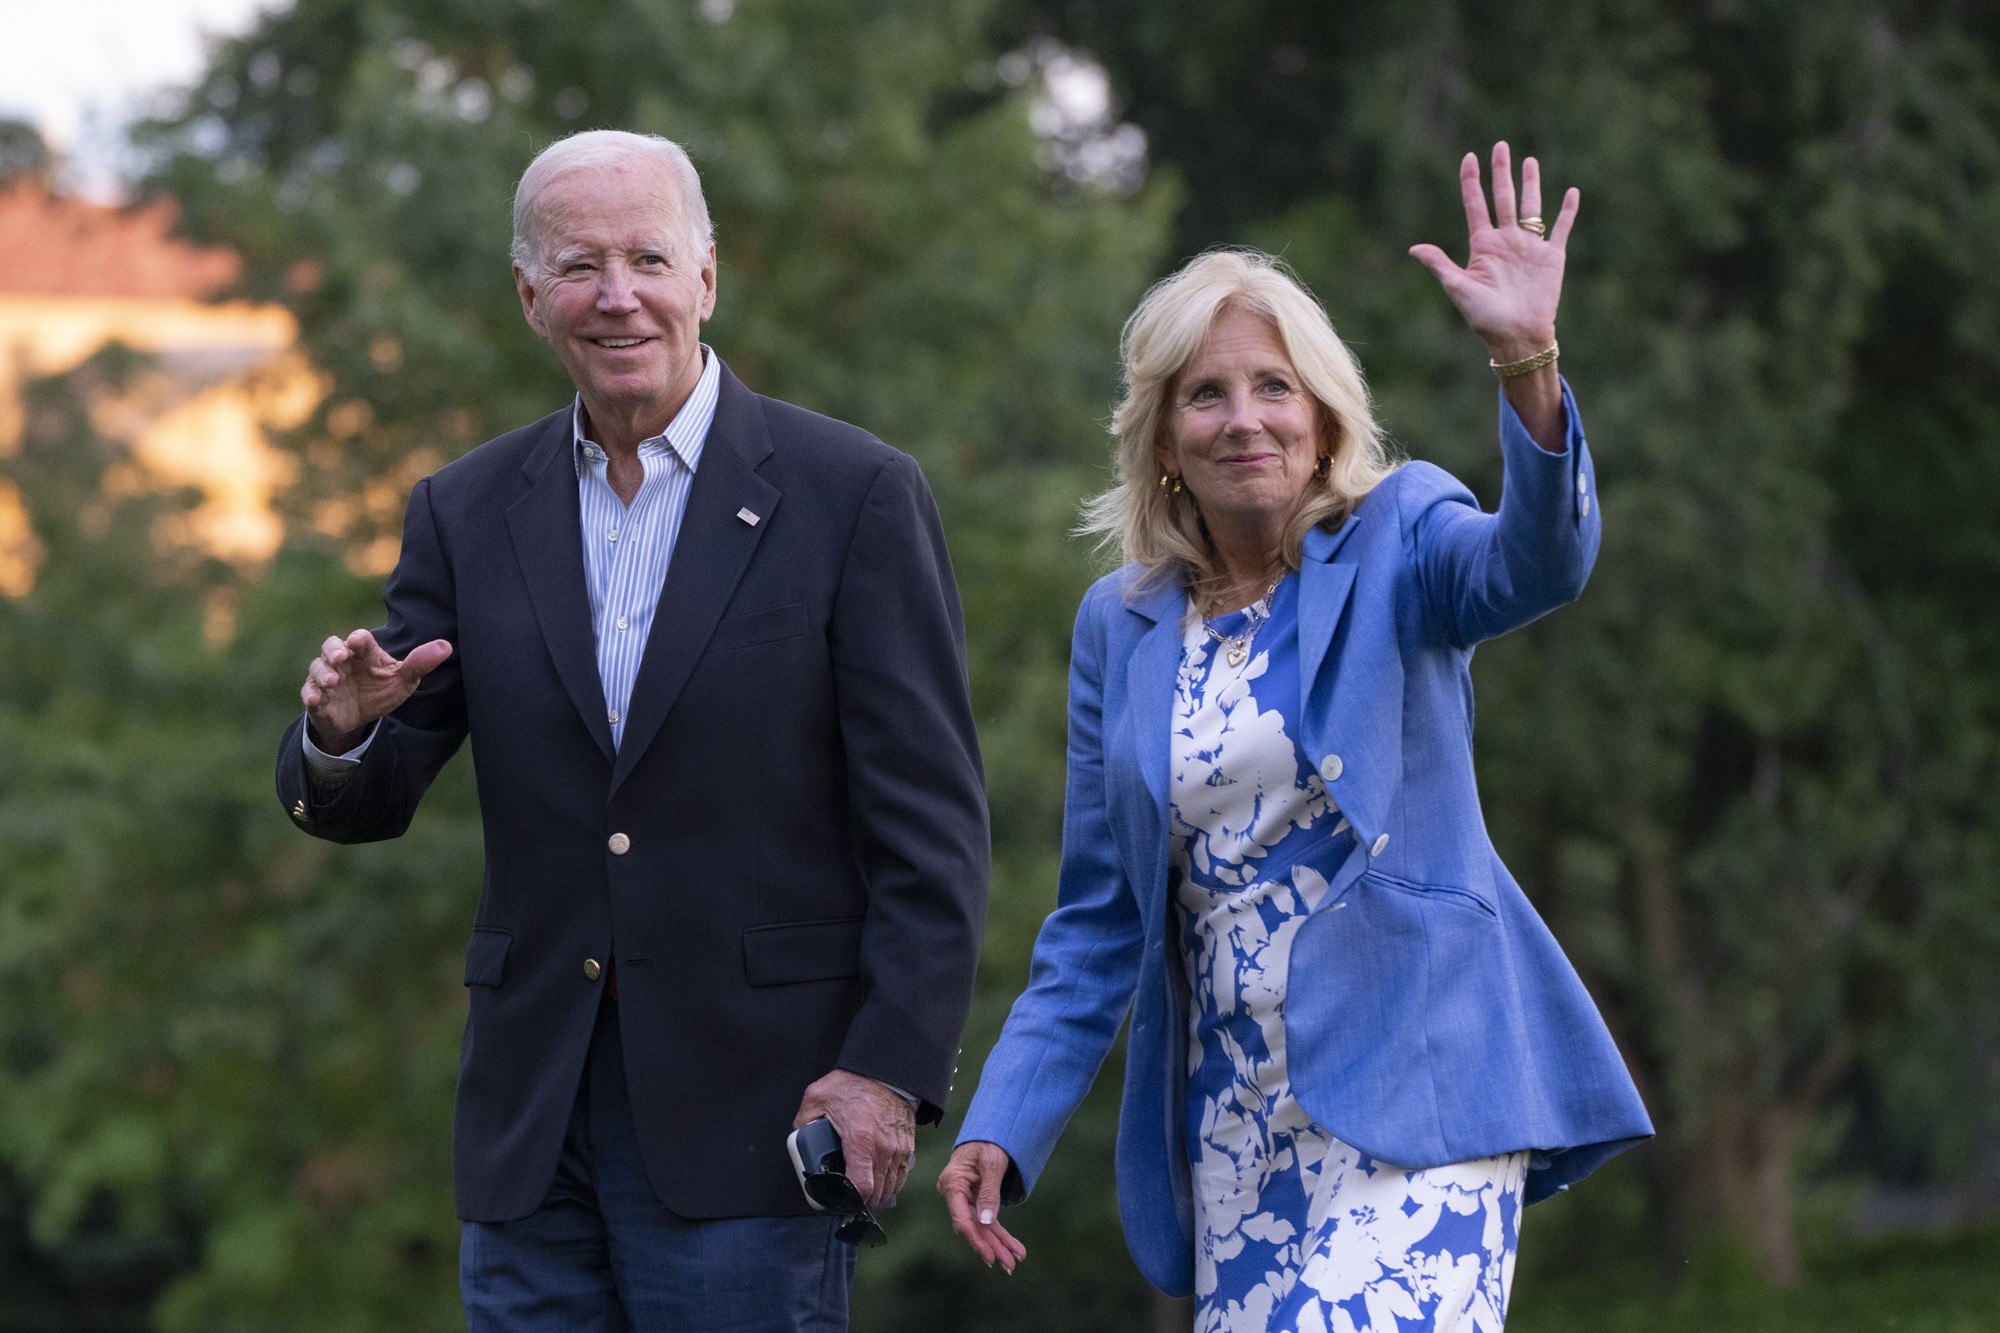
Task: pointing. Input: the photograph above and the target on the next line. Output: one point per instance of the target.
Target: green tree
(23, 152)
(224, 1052)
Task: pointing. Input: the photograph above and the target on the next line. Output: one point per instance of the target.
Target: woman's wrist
(1519, 345)
(1537, 398)
(1527, 365)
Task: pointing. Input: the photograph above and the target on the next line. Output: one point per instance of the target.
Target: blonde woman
(1356, 1051)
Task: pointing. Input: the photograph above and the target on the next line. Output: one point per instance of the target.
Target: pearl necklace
(1236, 648)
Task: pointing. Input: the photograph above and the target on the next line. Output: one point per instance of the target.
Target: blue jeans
(601, 1255)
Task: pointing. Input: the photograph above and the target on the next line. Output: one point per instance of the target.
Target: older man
(709, 652)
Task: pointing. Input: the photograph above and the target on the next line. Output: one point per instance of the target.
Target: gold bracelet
(1526, 363)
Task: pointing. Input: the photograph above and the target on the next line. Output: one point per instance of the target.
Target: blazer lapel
(547, 528)
(710, 555)
(1149, 684)
(1323, 590)
(1150, 674)
(1352, 703)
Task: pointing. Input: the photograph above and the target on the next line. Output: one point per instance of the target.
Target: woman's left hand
(970, 1183)
(1512, 281)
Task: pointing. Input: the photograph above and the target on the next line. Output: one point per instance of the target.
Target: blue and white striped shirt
(626, 549)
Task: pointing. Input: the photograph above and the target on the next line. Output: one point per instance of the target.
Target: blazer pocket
(486, 956)
(755, 627)
(1448, 895)
(802, 951)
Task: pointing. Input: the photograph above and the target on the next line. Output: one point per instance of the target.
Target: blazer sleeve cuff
(1562, 483)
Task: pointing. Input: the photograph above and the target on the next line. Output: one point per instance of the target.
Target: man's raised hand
(353, 683)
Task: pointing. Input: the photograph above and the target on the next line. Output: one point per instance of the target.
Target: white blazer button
(1380, 843)
(1330, 767)
(1584, 506)
(619, 844)
(1582, 484)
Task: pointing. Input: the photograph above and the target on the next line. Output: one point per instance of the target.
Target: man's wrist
(332, 745)
(327, 765)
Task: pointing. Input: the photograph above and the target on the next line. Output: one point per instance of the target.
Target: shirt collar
(685, 435)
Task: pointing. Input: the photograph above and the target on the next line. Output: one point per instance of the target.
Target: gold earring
(1323, 466)
(1170, 483)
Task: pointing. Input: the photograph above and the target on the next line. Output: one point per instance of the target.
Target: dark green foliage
(1910, 1284)
(227, 1051)
(23, 153)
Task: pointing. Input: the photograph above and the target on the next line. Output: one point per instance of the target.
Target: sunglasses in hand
(822, 1171)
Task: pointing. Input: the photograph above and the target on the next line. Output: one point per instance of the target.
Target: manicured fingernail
(986, 1217)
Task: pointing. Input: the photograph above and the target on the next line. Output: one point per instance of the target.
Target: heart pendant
(1237, 653)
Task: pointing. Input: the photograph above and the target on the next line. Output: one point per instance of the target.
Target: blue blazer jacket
(1431, 1017)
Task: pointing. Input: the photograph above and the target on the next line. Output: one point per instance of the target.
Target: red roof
(53, 245)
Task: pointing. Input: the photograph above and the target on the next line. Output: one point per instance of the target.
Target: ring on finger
(1534, 224)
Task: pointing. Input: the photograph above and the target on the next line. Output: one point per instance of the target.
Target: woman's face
(1241, 429)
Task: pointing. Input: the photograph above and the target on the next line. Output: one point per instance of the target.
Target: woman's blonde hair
(1161, 530)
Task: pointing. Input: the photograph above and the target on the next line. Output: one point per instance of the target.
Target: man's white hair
(600, 148)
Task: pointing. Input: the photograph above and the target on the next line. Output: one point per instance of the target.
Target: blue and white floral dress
(1294, 1230)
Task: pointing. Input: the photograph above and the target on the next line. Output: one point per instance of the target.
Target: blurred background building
(76, 275)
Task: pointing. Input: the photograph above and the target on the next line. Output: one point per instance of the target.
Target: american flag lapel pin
(748, 517)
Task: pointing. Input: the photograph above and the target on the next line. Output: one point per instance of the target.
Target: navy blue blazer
(801, 880)
(1430, 1016)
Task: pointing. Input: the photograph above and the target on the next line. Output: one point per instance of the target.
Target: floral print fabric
(1294, 1229)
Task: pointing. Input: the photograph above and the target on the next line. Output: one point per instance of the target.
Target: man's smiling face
(620, 291)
